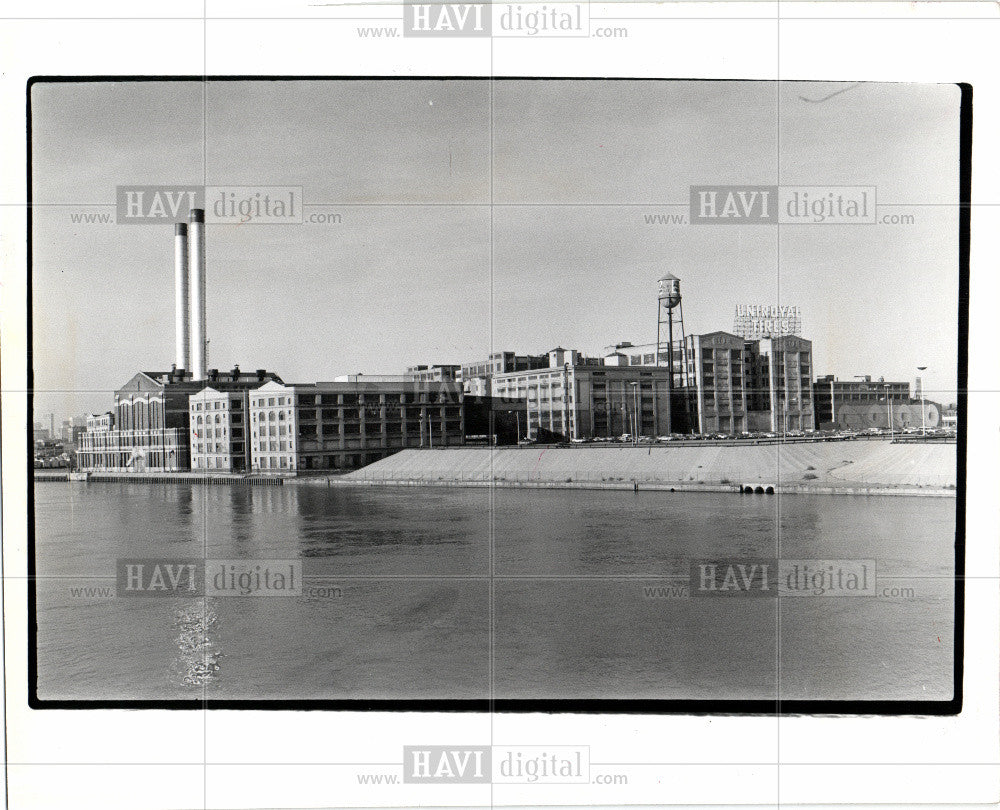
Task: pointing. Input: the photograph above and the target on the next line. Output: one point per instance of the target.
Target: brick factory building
(148, 429)
(343, 425)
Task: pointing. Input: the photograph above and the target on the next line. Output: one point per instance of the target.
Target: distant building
(98, 448)
(434, 373)
(949, 416)
(832, 395)
(866, 403)
(628, 354)
(477, 387)
(100, 421)
(373, 378)
(727, 384)
(588, 400)
(475, 376)
(343, 425)
(70, 429)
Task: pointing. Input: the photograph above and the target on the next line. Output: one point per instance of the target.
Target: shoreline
(821, 468)
(767, 489)
(756, 487)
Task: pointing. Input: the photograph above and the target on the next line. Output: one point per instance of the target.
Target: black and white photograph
(526, 391)
(508, 405)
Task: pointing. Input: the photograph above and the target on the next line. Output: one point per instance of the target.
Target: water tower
(670, 312)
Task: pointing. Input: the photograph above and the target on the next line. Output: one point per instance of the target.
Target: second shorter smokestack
(196, 258)
(182, 328)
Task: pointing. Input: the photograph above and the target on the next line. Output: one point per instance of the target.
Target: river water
(401, 603)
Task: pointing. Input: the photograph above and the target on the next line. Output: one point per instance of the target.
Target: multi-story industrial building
(345, 425)
(151, 416)
(503, 363)
(149, 430)
(220, 438)
(434, 373)
(780, 395)
(866, 403)
(100, 421)
(475, 376)
(589, 400)
(730, 385)
(96, 451)
(717, 384)
(832, 395)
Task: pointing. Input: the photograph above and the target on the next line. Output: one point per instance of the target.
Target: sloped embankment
(820, 463)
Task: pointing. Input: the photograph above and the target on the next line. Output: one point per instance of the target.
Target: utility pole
(923, 405)
(635, 413)
(888, 411)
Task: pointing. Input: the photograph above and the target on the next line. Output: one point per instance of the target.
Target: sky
(480, 216)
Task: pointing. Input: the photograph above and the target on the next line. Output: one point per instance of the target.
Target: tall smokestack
(196, 256)
(182, 337)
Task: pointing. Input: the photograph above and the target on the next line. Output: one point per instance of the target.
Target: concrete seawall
(817, 467)
(161, 478)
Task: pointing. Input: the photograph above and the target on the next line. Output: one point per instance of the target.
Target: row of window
(215, 447)
(218, 405)
(235, 418)
(356, 399)
(274, 463)
(219, 433)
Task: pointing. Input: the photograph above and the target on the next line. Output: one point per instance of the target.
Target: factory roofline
(358, 381)
(178, 378)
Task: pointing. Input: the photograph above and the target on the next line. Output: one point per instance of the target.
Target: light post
(923, 405)
(624, 412)
(635, 413)
(888, 410)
